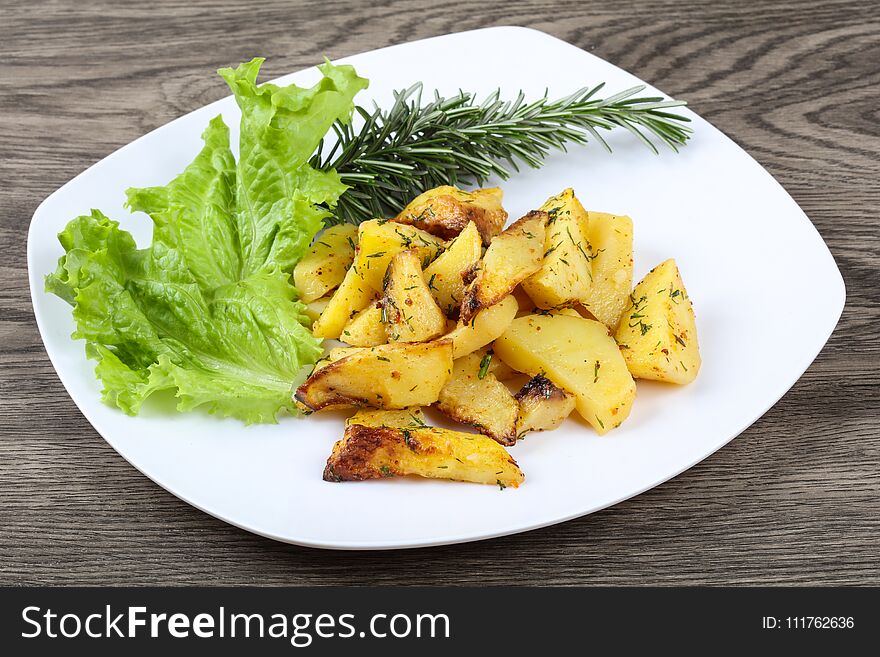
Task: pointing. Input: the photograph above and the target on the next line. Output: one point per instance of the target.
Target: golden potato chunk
(474, 396)
(484, 327)
(323, 267)
(658, 332)
(542, 405)
(337, 353)
(376, 452)
(512, 257)
(366, 328)
(378, 242)
(566, 275)
(611, 237)
(409, 311)
(352, 296)
(390, 376)
(446, 275)
(577, 355)
(445, 211)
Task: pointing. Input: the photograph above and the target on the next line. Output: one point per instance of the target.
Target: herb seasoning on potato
(503, 331)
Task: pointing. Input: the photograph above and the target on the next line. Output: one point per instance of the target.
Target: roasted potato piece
(446, 275)
(577, 355)
(511, 258)
(445, 211)
(378, 241)
(483, 328)
(611, 237)
(352, 296)
(658, 332)
(542, 405)
(373, 417)
(390, 376)
(375, 452)
(474, 396)
(366, 328)
(323, 267)
(566, 275)
(316, 307)
(409, 311)
(337, 353)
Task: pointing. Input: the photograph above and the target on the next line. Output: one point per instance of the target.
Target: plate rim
(35, 280)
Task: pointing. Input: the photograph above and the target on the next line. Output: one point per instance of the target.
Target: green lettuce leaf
(207, 310)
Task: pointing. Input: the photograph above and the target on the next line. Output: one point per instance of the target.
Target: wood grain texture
(793, 500)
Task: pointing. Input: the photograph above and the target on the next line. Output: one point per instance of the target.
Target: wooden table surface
(793, 500)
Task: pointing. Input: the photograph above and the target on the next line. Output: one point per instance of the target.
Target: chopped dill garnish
(484, 365)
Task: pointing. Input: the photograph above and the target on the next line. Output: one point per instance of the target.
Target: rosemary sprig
(398, 153)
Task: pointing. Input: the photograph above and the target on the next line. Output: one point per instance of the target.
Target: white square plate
(748, 254)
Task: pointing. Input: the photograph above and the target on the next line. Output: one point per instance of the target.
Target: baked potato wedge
(389, 376)
(378, 242)
(445, 211)
(337, 353)
(352, 296)
(446, 275)
(579, 356)
(658, 332)
(566, 275)
(409, 311)
(512, 257)
(611, 238)
(323, 266)
(366, 328)
(542, 405)
(376, 452)
(473, 396)
(484, 327)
